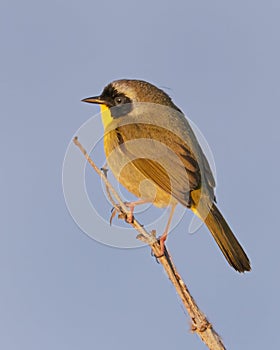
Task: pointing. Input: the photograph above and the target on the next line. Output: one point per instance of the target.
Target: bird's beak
(95, 99)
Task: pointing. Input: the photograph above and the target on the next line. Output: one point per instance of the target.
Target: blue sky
(219, 61)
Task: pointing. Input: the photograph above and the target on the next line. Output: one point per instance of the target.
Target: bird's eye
(119, 100)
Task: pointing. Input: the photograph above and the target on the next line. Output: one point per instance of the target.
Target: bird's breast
(128, 175)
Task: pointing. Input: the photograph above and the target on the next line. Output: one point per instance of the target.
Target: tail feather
(226, 240)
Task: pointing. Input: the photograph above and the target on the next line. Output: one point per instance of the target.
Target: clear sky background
(219, 60)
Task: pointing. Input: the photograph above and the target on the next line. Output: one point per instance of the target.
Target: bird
(153, 152)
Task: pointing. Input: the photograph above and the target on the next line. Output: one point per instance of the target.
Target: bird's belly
(132, 179)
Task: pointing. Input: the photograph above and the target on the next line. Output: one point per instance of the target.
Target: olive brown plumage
(154, 153)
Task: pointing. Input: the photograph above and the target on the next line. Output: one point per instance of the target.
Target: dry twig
(200, 324)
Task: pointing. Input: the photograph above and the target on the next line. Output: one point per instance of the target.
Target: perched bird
(153, 152)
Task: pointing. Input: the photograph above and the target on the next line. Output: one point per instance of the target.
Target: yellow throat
(105, 115)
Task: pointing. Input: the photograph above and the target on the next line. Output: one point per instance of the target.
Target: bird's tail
(224, 237)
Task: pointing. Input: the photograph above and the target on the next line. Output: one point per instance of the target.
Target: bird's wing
(163, 157)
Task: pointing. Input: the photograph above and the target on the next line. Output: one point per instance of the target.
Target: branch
(200, 324)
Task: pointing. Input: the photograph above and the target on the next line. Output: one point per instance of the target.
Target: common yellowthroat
(153, 152)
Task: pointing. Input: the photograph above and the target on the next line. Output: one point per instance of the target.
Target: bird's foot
(129, 217)
(131, 206)
(161, 241)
